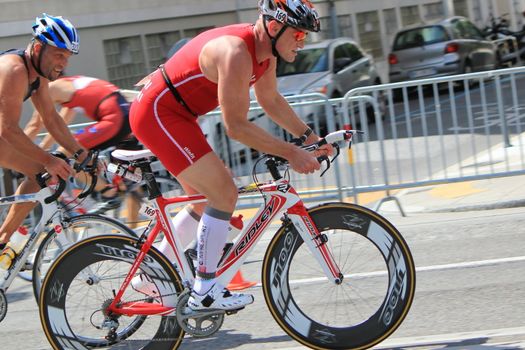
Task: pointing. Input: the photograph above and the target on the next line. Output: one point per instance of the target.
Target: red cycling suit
(101, 102)
(164, 125)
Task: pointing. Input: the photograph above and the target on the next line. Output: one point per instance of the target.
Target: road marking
(467, 264)
(454, 190)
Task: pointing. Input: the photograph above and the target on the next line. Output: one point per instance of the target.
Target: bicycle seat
(127, 155)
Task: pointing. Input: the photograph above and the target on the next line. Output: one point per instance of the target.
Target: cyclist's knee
(225, 199)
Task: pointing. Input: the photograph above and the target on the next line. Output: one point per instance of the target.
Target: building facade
(123, 40)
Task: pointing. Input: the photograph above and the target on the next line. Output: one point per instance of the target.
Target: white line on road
(460, 265)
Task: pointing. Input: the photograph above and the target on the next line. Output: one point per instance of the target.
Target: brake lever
(322, 159)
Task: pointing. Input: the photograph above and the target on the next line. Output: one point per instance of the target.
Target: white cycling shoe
(142, 283)
(219, 298)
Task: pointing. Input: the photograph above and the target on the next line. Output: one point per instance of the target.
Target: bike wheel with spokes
(83, 281)
(73, 230)
(374, 296)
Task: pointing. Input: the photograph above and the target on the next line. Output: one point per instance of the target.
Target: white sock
(185, 225)
(212, 235)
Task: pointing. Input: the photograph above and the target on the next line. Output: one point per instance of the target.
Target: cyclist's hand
(82, 156)
(324, 150)
(58, 167)
(304, 162)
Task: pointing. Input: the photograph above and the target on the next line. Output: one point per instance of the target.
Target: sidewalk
(505, 192)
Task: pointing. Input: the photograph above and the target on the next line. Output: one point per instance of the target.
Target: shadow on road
(225, 339)
(474, 343)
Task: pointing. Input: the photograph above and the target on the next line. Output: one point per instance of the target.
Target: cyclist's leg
(17, 212)
(209, 177)
(185, 225)
(182, 148)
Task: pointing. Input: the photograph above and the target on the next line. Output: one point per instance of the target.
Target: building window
(193, 32)
(369, 33)
(344, 23)
(477, 16)
(410, 15)
(345, 26)
(125, 61)
(326, 29)
(461, 8)
(433, 11)
(158, 46)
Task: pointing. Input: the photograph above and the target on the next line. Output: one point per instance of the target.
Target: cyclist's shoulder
(12, 64)
(13, 73)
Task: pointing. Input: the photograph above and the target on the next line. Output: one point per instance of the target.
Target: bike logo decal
(284, 188)
(57, 292)
(120, 253)
(58, 229)
(262, 221)
(354, 221)
(324, 336)
(169, 325)
(282, 297)
(393, 297)
(398, 282)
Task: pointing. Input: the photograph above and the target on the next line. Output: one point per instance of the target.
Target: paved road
(470, 291)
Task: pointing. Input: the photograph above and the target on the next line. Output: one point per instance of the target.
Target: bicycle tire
(68, 317)
(50, 248)
(374, 297)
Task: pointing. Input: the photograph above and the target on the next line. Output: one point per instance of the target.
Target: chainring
(199, 324)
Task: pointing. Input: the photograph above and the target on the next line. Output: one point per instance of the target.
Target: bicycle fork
(315, 241)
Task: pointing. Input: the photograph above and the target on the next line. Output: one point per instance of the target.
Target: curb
(475, 207)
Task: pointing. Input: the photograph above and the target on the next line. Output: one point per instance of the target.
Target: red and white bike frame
(279, 197)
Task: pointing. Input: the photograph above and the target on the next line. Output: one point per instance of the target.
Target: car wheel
(467, 69)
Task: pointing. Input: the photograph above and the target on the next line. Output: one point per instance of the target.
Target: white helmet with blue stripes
(56, 31)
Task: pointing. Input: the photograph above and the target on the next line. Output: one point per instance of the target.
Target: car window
(341, 51)
(307, 61)
(355, 53)
(464, 29)
(470, 30)
(419, 37)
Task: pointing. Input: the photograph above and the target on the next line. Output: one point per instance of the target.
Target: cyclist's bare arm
(226, 60)
(13, 87)
(279, 110)
(67, 115)
(59, 94)
(53, 121)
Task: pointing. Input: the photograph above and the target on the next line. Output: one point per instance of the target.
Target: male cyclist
(101, 102)
(217, 68)
(26, 74)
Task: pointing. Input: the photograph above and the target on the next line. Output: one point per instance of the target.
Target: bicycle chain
(146, 299)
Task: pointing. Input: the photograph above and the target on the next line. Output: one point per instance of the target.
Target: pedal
(28, 266)
(206, 322)
(233, 312)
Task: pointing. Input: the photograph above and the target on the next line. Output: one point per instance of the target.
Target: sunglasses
(299, 35)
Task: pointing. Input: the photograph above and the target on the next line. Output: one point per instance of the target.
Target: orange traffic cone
(239, 283)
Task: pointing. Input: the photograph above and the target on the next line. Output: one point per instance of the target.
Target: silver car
(452, 46)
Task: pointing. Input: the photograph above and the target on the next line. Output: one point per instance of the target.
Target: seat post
(147, 174)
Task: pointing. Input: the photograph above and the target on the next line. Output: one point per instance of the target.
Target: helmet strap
(274, 39)
(31, 53)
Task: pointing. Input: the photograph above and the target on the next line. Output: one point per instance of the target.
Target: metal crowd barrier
(441, 130)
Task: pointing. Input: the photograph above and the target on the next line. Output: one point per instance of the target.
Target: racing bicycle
(54, 232)
(334, 276)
